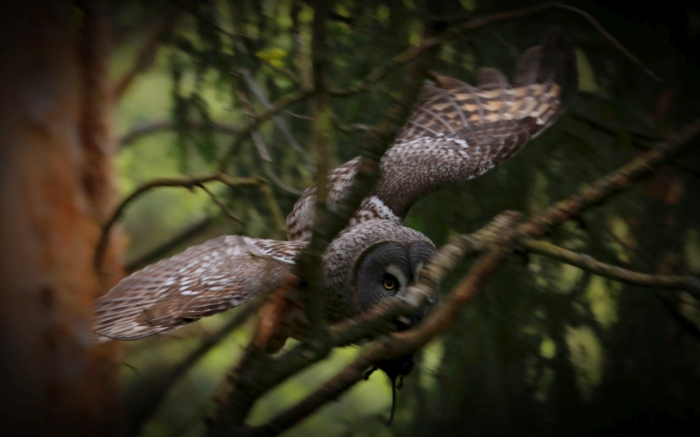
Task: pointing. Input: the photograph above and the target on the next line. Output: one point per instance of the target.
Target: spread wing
(201, 281)
(458, 132)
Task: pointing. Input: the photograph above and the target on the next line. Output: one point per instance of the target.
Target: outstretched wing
(201, 281)
(458, 132)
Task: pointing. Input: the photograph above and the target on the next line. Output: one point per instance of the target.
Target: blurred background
(545, 349)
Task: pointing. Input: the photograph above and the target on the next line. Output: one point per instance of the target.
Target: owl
(456, 132)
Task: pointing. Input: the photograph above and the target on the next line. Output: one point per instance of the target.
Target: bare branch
(310, 265)
(218, 203)
(245, 384)
(585, 262)
(188, 183)
(396, 345)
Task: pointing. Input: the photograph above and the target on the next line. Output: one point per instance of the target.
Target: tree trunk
(55, 188)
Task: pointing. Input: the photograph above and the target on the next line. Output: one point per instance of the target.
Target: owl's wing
(458, 132)
(201, 281)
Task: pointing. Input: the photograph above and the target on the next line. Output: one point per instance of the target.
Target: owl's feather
(458, 132)
(201, 281)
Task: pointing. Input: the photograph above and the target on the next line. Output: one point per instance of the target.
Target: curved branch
(188, 183)
(220, 204)
(585, 262)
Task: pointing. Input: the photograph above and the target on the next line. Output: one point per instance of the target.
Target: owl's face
(387, 269)
(369, 262)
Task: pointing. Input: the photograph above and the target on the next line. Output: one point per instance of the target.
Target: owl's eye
(389, 282)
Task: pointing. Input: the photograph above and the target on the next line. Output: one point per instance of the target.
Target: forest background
(103, 97)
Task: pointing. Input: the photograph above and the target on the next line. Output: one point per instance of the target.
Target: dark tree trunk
(55, 186)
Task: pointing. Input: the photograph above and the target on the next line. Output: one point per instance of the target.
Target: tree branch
(585, 262)
(218, 203)
(188, 183)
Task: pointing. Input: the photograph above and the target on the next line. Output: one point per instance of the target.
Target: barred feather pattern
(458, 132)
(203, 280)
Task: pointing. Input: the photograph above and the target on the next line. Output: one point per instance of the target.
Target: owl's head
(371, 261)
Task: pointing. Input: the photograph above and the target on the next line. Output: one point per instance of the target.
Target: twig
(163, 126)
(218, 203)
(611, 39)
(286, 71)
(275, 209)
(688, 326)
(279, 105)
(279, 183)
(146, 54)
(278, 121)
(588, 17)
(255, 134)
(585, 262)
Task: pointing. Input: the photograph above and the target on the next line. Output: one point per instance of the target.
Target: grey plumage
(456, 132)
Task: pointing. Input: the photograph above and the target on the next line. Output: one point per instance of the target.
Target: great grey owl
(457, 132)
